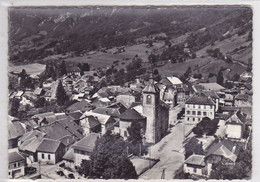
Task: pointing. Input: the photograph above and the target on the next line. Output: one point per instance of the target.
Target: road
(167, 150)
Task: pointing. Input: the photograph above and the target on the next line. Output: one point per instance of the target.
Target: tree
(220, 78)
(157, 76)
(152, 59)
(109, 159)
(40, 102)
(61, 94)
(62, 69)
(206, 126)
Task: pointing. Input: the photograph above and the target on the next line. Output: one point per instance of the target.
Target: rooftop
(131, 114)
(200, 99)
(196, 160)
(48, 145)
(87, 143)
(14, 157)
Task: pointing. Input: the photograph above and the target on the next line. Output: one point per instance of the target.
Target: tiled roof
(31, 134)
(200, 99)
(69, 155)
(48, 145)
(102, 118)
(72, 127)
(91, 121)
(14, 157)
(174, 80)
(211, 86)
(87, 143)
(15, 129)
(225, 148)
(131, 114)
(196, 160)
(31, 145)
(211, 93)
(75, 115)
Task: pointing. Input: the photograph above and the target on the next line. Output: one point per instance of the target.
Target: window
(199, 113)
(193, 105)
(204, 113)
(199, 106)
(188, 105)
(195, 170)
(204, 106)
(193, 119)
(211, 107)
(188, 118)
(18, 164)
(188, 112)
(42, 156)
(14, 164)
(49, 157)
(125, 134)
(193, 112)
(148, 99)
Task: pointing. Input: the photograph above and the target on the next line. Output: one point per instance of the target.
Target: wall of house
(69, 164)
(192, 169)
(234, 131)
(48, 158)
(123, 125)
(194, 112)
(16, 169)
(80, 155)
(241, 103)
(126, 100)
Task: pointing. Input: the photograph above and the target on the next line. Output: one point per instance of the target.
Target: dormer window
(148, 99)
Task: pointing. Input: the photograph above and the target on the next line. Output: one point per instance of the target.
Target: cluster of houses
(70, 136)
(233, 110)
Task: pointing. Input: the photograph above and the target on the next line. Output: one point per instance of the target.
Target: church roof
(131, 114)
(151, 87)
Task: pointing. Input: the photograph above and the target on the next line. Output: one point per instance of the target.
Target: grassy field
(32, 69)
(228, 45)
(101, 59)
(199, 65)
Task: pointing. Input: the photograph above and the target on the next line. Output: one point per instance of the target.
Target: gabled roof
(195, 159)
(165, 82)
(211, 93)
(31, 145)
(237, 118)
(75, 115)
(82, 106)
(32, 134)
(15, 129)
(69, 155)
(200, 99)
(15, 157)
(174, 80)
(102, 118)
(91, 122)
(225, 148)
(48, 145)
(131, 114)
(87, 143)
(38, 91)
(72, 127)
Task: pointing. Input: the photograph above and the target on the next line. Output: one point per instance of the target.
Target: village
(186, 128)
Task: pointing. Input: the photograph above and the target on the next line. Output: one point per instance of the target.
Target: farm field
(32, 69)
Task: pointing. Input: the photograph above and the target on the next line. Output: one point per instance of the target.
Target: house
(127, 118)
(106, 121)
(242, 100)
(16, 165)
(44, 118)
(176, 82)
(15, 131)
(62, 131)
(29, 143)
(84, 148)
(246, 75)
(214, 97)
(199, 106)
(196, 165)
(81, 106)
(222, 149)
(113, 110)
(90, 124)
(50, 151)
(126, 98)
(235, 125)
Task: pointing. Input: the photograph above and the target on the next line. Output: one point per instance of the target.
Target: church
(154, 115)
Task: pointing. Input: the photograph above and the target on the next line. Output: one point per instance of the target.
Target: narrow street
(168, 151)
